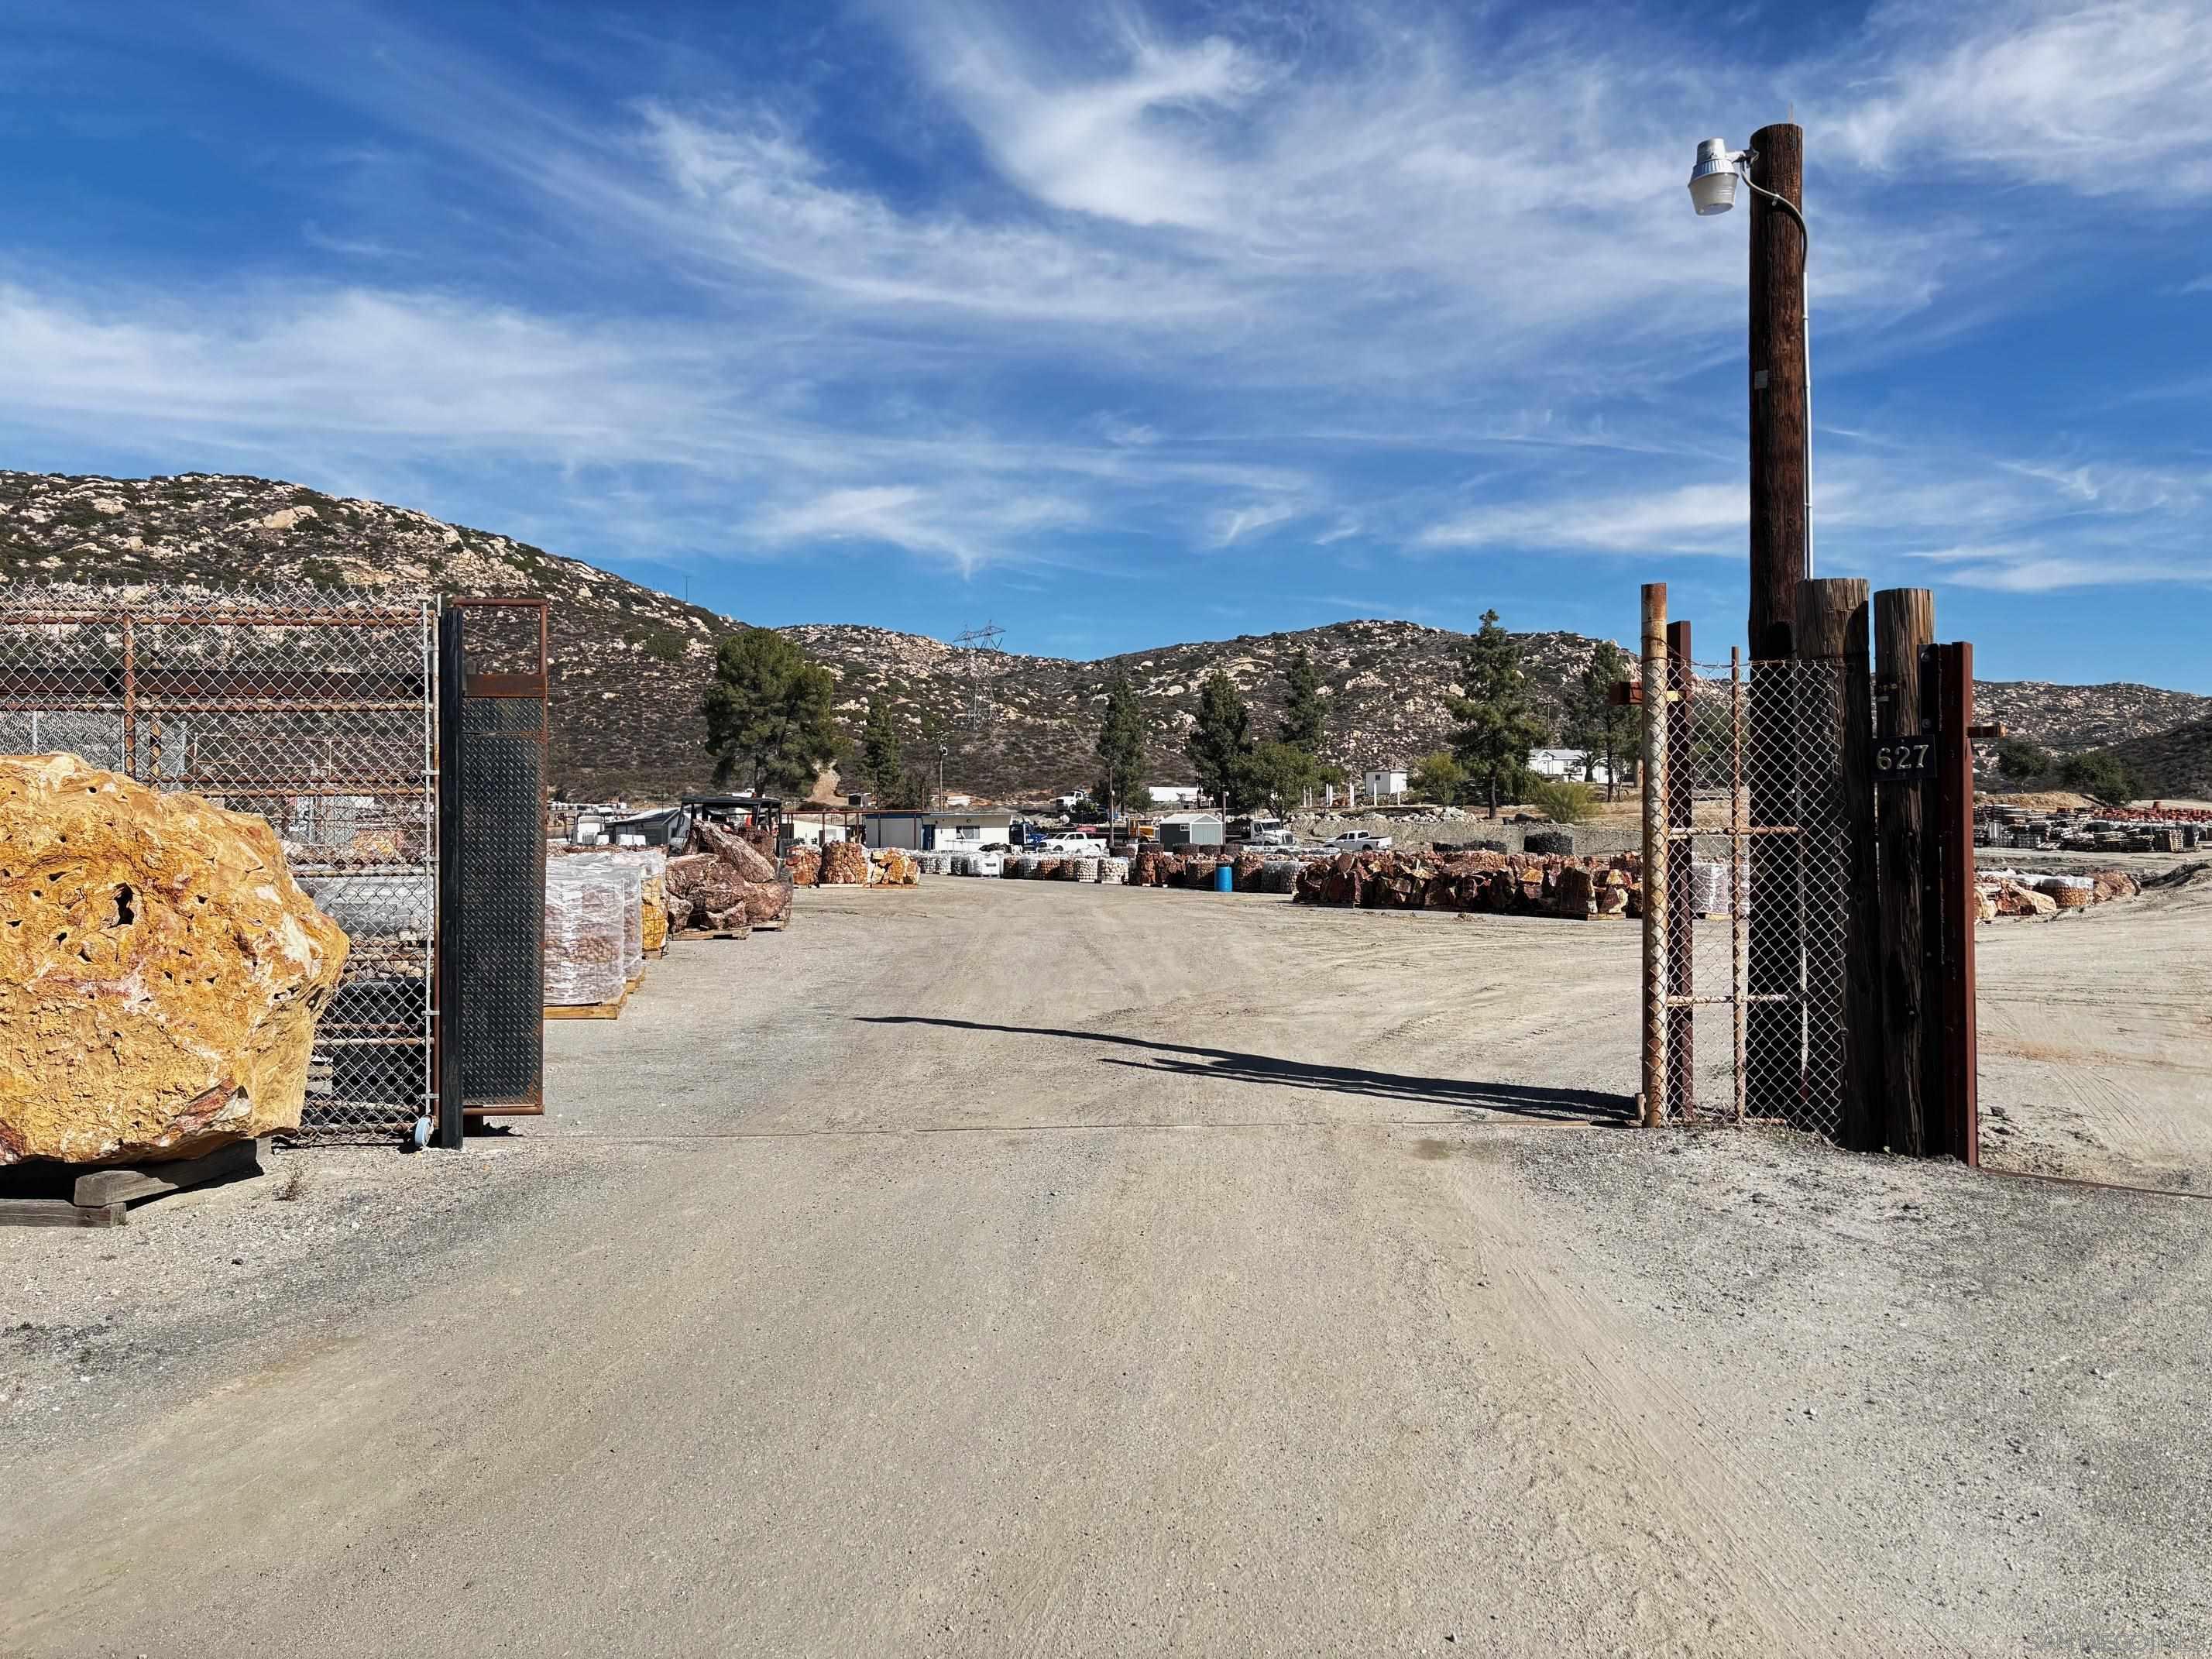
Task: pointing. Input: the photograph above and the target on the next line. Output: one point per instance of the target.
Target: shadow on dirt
(1457, 1094)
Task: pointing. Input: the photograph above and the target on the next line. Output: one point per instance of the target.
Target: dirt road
(1065, 1270)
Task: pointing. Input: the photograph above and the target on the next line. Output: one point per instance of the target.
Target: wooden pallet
(591, 1010)
(724, 932)
(100, 1198)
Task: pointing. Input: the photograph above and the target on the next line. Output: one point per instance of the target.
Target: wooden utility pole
(1774, 1081)
(1780, 410)
(1903, 628)
(1838, 698)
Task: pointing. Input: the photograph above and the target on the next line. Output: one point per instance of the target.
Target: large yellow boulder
(160, 972)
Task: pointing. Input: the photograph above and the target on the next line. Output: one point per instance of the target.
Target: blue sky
(1124, 324)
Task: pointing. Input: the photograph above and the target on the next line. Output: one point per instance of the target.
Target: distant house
(1568, 763)
(1172, 795)
(938, 832)
(1386, 780)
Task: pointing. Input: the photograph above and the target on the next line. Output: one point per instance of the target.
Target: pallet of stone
(591, 1010)
(101, 1198)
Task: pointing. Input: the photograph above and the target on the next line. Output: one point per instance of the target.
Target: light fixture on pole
(1712, 190)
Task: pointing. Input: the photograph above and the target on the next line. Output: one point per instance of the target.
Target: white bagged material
(986, 864)
(627, 872)
(1710, 887)
(584, 947)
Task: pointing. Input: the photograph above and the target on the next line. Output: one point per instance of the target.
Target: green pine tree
(880, 761)
(768, 715)
(1120, 748)
(1304, 715)
(1497, 726)
(1221, 741)
(1604, 730)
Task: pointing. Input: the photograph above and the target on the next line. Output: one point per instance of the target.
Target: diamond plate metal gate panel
(497, 932)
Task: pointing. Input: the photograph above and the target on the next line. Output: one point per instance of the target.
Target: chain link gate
(314, 710)
(1746, 893)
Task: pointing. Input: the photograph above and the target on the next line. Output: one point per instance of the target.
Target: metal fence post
(1654, 852)
(452, 679)
(1954, 1120)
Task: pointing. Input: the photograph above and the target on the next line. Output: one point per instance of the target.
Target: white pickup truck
(1075, 847)
(1359, 840)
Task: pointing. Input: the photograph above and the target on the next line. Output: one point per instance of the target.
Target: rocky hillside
(2172, 765)
(2068, 718)
(629, 663)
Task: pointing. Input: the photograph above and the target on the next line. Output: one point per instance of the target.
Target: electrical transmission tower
(975, 643)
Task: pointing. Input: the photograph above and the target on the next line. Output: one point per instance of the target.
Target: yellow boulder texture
(160, 972)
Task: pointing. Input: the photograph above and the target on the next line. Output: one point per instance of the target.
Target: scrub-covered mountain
(630, 663)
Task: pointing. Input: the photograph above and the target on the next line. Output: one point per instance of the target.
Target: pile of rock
(1524, 883)
(803, 865)
(893, 866)
(2014, 893)
(728, 887)
(844, 864)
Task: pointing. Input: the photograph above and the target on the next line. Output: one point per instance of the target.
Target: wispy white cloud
(1229, 525)
(1701, 518)
(2103, 99)
(1308, 260)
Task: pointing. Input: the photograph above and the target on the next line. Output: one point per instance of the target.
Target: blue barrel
(1224, 879)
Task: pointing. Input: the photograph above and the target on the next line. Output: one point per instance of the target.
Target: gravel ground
(100, 1326)
(1000, 1267)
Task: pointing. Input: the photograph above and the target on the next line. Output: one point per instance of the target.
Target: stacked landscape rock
(844, 864)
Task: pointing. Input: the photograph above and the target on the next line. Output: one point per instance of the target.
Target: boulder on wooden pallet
(2113, 883)
(734, 849)
(701, 883)
(764, 901)
(736, 920)
(159, 987)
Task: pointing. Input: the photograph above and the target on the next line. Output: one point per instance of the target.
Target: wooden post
(453, 682)
(1955, 1127)
(1831, 630)
(1681, 914)
(1655, 853)
(1904, 626)
(1778, 392)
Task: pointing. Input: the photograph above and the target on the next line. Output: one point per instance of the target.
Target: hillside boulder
(160, 972)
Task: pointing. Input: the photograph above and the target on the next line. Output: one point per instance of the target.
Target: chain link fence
(315, 710)
(1755, 914)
